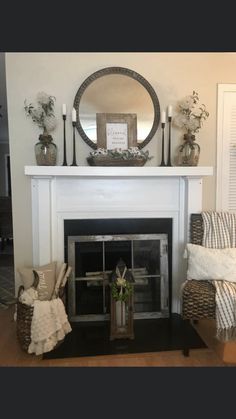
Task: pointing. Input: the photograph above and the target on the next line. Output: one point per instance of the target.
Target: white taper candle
(73, 115)
(163, 117)
(169, 110)
(64, 109)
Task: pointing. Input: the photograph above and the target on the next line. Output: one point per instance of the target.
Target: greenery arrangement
(121, 289)
(190, 116)
(43, 112)
(130, 153)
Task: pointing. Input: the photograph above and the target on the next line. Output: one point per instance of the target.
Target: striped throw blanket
(219, 231)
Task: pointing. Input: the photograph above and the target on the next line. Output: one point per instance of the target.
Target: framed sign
(116, 130)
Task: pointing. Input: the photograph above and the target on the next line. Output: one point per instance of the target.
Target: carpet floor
(91, 339)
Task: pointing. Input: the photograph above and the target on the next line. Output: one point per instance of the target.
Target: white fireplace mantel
(88, 171)
(63, 192)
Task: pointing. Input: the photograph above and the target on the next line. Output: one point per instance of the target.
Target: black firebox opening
(114, 226)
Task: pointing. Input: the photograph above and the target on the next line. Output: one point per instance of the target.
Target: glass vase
(46, 151)
(189, 151)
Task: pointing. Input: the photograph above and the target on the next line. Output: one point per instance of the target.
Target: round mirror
(116, 90)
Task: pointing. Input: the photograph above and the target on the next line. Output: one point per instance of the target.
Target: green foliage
(129, 154)
(116, 293)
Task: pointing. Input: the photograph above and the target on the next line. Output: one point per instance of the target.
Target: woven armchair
(198, 297)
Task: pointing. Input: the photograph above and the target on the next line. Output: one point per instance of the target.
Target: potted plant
(190, 117)
(43, 115)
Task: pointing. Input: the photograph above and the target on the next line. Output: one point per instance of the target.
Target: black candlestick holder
(163, 145)
(169, 145)
(74, 151)
(64, 141)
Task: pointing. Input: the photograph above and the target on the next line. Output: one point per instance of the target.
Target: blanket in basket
(219, 231)
(49, 325)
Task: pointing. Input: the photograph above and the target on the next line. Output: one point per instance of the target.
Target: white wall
(172, 75)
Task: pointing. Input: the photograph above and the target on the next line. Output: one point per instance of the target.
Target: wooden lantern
(121, 313)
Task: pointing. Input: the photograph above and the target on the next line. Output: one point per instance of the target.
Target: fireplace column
(193, 200)
(42, 220)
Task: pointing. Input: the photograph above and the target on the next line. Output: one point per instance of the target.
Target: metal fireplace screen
(94, 257)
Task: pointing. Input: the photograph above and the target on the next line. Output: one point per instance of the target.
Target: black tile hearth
(151, 335)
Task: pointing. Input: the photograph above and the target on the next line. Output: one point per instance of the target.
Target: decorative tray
(115, 161)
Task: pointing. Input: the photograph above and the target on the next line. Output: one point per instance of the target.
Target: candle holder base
(74, 148)
(64, 141)
(163, 146)
(168, 164)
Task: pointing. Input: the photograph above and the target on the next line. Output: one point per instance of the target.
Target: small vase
(189, 152)
(46, 151)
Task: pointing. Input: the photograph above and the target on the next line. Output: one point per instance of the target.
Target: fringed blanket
(219, 231)
(225, 310)
(49, 325)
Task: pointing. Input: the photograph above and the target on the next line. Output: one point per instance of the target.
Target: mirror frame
(125, 72)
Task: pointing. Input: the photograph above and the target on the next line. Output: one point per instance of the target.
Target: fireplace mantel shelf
(105, 172)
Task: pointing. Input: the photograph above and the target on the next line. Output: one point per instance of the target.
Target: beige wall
(172, 75)
(4, 144)
(3, 101)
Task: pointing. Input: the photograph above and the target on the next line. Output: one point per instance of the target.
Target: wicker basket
(23, 324)
(24, 319)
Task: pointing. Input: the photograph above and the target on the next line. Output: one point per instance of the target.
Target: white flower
(189, 117)
(121, 282)
(37, 114)
(187, 103)
(134, 151)
(193, 124)
(197, 113)
(99, 152)
(181, 120)
(43, 98)
(43, 113)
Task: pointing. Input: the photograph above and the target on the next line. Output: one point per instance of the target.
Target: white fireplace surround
(60, 193)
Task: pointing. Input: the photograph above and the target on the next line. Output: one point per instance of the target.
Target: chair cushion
(198, 300)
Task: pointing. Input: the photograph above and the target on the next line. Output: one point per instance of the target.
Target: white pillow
(207, 263)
